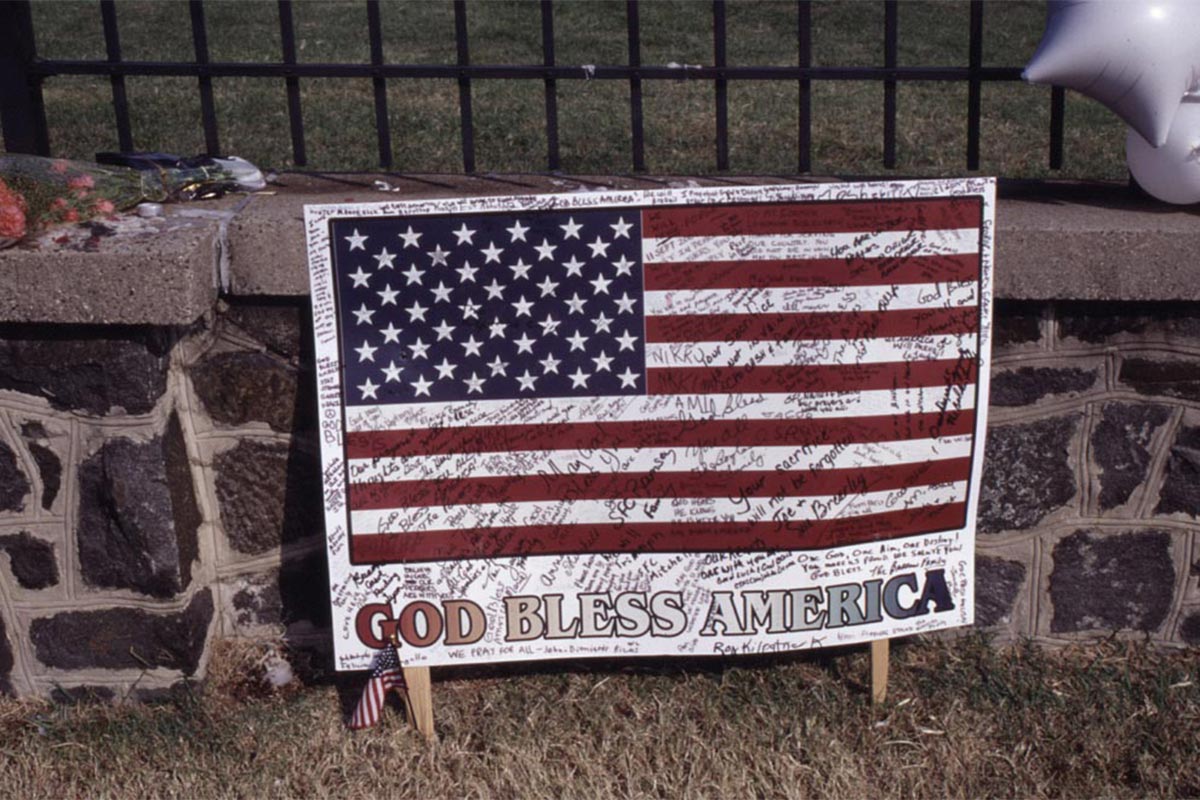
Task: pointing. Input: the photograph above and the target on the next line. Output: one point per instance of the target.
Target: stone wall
(158, 489)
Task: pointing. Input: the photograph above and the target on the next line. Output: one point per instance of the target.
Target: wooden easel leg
(420, 700)
(879, 670)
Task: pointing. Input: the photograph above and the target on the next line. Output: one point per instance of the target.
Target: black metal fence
(22, 73)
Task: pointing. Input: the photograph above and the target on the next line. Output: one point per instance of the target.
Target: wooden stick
(879, 670)
(420, 700)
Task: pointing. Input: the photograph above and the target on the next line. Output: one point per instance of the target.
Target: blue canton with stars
(490, 306)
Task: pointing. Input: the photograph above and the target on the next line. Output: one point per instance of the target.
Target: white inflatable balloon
(1137, 57)
(1170, 172)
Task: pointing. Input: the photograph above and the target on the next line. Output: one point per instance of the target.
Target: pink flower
(12, 213)
(81, 182)
(59, 166)
(71, 216)
(104, 207)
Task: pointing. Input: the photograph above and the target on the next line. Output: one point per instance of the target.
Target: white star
(445, 369)
(416, 312)
(602, 362)
(575, 304)
(571, 229)
(577, 341)
(626, 341)
(366, 352)
(625, 304)
(517, 231)
(549, 325)
(522, 306)
(474, 383)
(470, 346)
(391, 373)
(385, 259)
(497, 329)
(600, 285)
(629, 379)
(526, 381)
(579, 379)
(387, 296)
(421, 385)
(599, 248)
(520, 269)
(492, 252)
(466, 273)
(574, 267)
(391, 334)
(442, 293)
(470, 310)
(410, 238)
(413, 275)
(443, 330)
(550, 364)
(368, 389)
(602, 323)
(524, 344)
(545, 250)
(622, 228)
(547, 286)
(357, 241)
(464, 235)
(499, 367)
(624, 266)
(360, 278)
(364, 315)
(439, 256)
(495, 290)
(419, 348)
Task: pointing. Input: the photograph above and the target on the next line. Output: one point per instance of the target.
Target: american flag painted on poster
(759, 376)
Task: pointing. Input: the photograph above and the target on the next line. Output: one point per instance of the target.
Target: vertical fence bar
(379, 83)
(112, 46)
(722, 86)
(464, 87)
(287, 34)
(635, 86)
(208, 110)
(974, 85)
(891, 46)
(1058, 113)
(22, 114)
(804, 54)
(552, 160)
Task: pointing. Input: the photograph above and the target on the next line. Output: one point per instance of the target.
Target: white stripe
(781, 246)
(676, 509)
(632, 408)
(812, 299)
(809, 352)
(647, 459)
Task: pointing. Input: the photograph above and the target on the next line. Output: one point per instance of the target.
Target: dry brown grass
(963, 720)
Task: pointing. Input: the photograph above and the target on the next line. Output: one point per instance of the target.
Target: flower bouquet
(36, 192)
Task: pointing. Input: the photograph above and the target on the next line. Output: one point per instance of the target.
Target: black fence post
(21, 111)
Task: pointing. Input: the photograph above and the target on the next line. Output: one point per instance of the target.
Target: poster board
(676, 422)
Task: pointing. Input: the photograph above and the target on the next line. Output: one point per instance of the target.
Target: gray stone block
(1176, 377)
(32, 560)
(6, 662)
(1112, 581)
(124, 638)
(285, 595)
(997, 583)
(1016, 324)
(276, 326)
(268, 495)
(1189, 629)
(1181, 487)
(14, 486)
(1120, 447)
(1096, 323)
(237, 388)
(138, 515)
(1027, 473)
(1027, 385)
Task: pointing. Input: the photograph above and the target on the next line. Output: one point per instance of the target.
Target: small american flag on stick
(386, 674)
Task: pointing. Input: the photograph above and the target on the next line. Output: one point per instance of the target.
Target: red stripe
(813, 272)
(664, 433)
(640, 485)
(818, 325)
(654, 537)
(812, 378)
(812, 217)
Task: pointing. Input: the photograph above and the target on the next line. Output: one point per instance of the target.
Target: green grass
(594, 115)
(962, 720)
